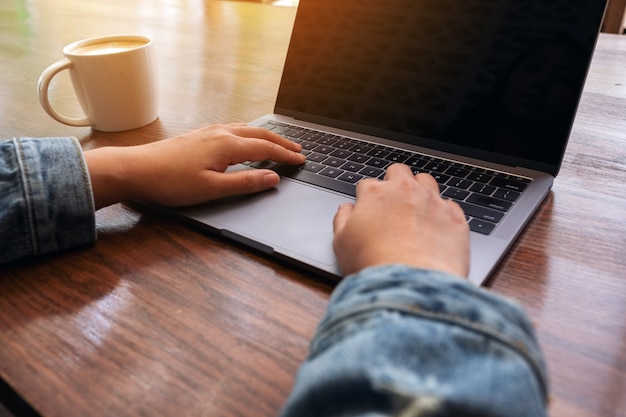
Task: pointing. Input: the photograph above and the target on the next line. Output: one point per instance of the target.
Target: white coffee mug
(115, 80)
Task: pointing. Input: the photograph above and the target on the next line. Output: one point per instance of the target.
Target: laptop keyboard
(338, 163)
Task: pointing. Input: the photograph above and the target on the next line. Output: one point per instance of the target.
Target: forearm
(46, 202)
(396, 339)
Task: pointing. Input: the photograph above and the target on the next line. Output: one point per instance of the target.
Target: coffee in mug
(114, 78)
(107, 47)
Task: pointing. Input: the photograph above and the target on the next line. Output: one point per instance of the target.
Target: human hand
(401, 219)
(189, 168)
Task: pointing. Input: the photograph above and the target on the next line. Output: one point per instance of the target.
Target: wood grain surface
(161, 319)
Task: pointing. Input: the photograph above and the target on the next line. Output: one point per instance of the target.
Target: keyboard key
(415, 162)
(352, 167)
(316, 157)
(331, 172)
(378, 153)
(311, 136)
(481, 226)
(361, 149)
(313, 167)
(506, 194)
(327, 140)
(520, 179)
(350, 177)
(479, 176)
(436, 167)
(340, 153)
(482, 188)
(325, 149)
(376, 162)
(280, 129)
(276, 123)
(293, 133)
(343, 144)
(459, 183)
(440, 178)
(334, 162)
(481, 212)
(509, 183)
(490, 202)
(457, 172)
(358, 158)
(317, 179)
(418, 171)
(306, 145)
(372, 172)
(394, 157)
(455, 193)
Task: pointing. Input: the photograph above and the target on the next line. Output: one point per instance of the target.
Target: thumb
(341, 217)
(246, 182)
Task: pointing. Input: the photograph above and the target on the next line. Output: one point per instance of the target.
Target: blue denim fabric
(397, 341)
(46, 202)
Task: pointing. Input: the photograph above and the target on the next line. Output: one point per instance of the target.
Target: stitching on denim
(30, 209)
(447, 318)
(86, 181)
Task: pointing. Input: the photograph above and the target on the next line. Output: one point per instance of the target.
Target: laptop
(481, 94)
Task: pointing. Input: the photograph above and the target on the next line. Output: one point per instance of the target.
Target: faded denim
(397, 341)
(46, 202)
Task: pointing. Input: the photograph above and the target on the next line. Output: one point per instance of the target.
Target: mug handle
(42, 89)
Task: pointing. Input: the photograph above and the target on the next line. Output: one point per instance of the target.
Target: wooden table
(614, 16)
(161, 319)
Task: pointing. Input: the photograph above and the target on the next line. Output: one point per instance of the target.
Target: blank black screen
(504, 77)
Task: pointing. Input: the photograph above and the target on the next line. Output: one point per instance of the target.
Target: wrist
(108, 176)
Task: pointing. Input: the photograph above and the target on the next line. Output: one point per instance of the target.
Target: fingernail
(271, 179)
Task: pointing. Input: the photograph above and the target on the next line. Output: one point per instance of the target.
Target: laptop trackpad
(294, 220)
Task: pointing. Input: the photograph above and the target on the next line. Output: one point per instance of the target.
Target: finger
(363, 187)
(254, 132)
(261, 150)
(341, 217)
(457, 211)
(428, 181)
(398, 170)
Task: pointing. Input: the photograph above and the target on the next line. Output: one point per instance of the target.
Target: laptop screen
(497, 79)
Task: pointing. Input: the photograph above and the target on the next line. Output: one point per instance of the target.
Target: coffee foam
(106, 48)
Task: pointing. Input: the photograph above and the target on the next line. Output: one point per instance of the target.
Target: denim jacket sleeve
(46, 201)
(397, 341)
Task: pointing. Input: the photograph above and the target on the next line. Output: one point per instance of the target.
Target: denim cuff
(49, 202)
(433, 296)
